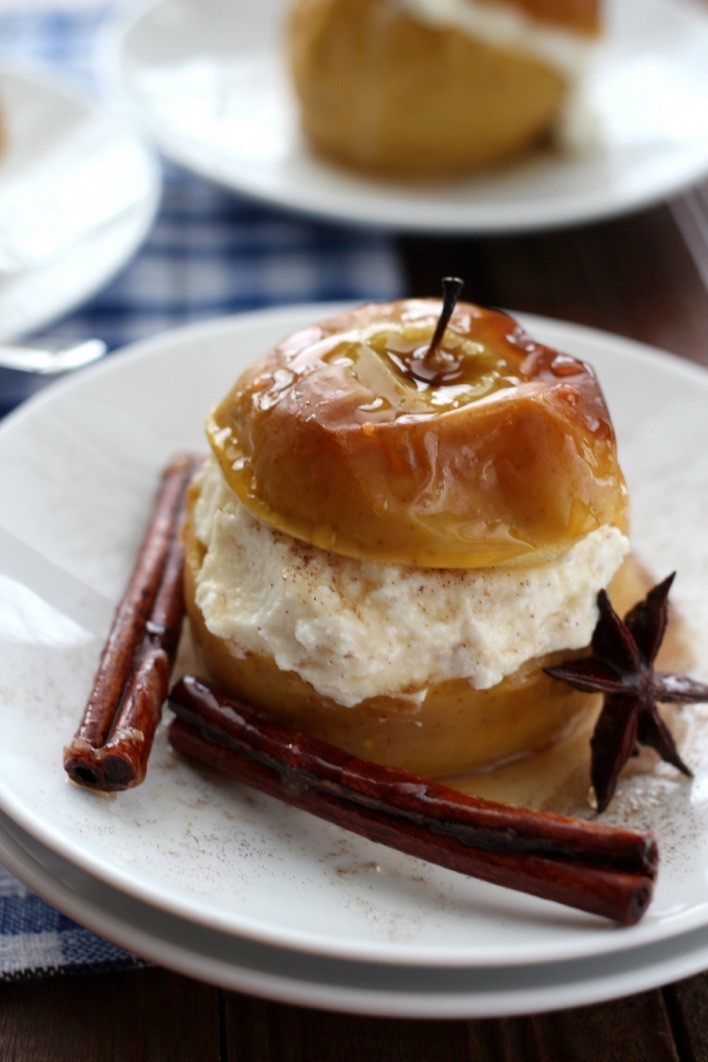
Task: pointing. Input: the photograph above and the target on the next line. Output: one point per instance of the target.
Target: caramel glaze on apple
(352, 436)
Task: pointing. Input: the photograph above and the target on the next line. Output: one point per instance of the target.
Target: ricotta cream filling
(356, 629)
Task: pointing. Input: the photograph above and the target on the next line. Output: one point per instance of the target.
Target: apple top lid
(359, 437)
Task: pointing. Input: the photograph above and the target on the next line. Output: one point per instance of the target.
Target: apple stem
(452, 286)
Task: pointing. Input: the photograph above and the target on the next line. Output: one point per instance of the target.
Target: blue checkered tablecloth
(209, 253)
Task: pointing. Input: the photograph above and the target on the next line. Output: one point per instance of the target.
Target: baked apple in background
(421, 89)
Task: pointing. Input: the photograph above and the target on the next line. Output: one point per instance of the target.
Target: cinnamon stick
(112, 744)
(607, 871)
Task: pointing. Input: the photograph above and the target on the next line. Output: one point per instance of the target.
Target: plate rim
(100, 916)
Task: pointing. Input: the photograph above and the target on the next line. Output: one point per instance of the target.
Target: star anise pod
(621, 667)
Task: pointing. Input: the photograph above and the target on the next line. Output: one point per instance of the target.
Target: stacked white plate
(200, 874)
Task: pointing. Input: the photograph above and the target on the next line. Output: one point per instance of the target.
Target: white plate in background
(54, 133)
(208, 79)
(78, 467)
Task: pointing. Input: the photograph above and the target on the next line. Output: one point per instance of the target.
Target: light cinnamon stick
(603, 870)
(112, 744)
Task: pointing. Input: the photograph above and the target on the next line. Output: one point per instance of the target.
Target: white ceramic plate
(78, 466)
(208, 79)
(97, 219)
(355, 987)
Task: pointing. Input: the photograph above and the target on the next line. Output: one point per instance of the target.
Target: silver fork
(51, 362)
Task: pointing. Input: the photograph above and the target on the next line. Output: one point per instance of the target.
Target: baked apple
(434, 88)
(408, 513)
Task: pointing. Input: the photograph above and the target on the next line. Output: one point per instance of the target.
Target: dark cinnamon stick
(112, 744)
(604, 870)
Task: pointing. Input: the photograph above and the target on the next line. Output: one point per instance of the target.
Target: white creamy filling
(502, 26)
(356, 629)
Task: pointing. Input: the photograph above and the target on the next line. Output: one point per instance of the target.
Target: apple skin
(330, 438)
(381, 92)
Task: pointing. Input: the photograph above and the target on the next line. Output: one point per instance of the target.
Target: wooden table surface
(643, 276)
